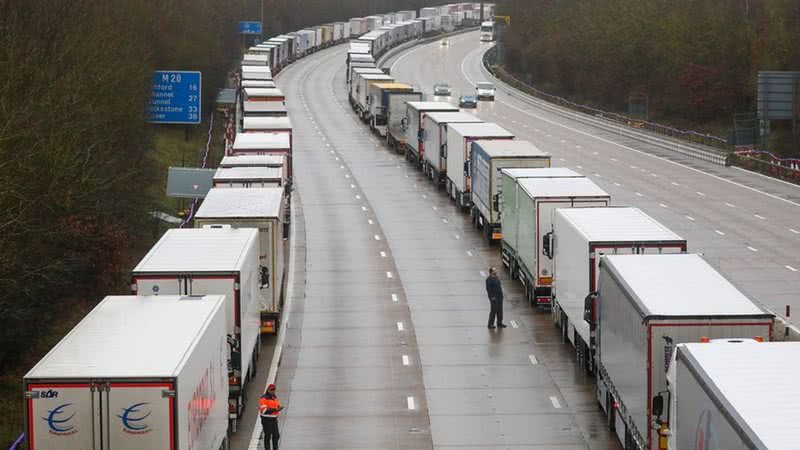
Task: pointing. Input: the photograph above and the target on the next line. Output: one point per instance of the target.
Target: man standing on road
(268, 408)
(495, 293)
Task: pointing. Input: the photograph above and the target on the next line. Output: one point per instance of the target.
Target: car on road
(485, 90)
(467, 101)
(442, 90)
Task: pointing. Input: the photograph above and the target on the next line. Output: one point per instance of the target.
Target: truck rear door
(61, 416)
(139, 415)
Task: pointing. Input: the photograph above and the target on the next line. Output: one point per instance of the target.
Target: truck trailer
(264, 143)
(647, 304)
(415, 142)
(580, 237)
(460, 137)
(249, 177)
(396, 121)
(530, 203)
(253, 161)
(266, 210)
(137, 372)
(434, 133)
(379, 94)
(487, 159)
(213, 261)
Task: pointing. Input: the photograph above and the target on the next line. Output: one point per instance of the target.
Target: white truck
(415, 144)
(528, 206)
(267, 124)
(721, 396)
(487, 160)
(253, 161)
(378, 100)
(434, 141)
(264, 209)
(396, 118)
(264, 143)
(647, 304)
(363, 89)
(580, 237)
(136, 373)
(264, 109)
(460, 137)
(355, 74)
(220, 261)
(249, 177)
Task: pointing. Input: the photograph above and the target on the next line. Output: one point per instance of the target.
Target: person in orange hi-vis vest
(268, 408)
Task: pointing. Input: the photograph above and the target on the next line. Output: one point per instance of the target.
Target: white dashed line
(791, 268)
(617, 184)
(377, 238)
(389, 275)
(514, 324)
(394, 297)
(405, 360)
(435, 208)
(444, 220)
(533, 359)
(614, 159)
(690, 218)
(369, 221)
(561, 159)
(663, 205)
(483, 273)
(358, 197)
(555, 402)
(598, 175)
(579, 167)
(352, 186)
(634, 167)
(640, 195)
(458, 237)
(752, 249)
(469, 253)
(760, 217)
(701, 194)
(383, 254)
(363, 208)
(654, 175)
(675, 184)
(400, 326)
(730, 205)
(719, 232)
(411, 404)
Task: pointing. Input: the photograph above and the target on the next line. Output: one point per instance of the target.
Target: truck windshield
(485, 86)
(487, 29)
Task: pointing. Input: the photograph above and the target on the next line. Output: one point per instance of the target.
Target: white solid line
(731, 205)
(405, 360)
(424, 196)
(760, 217)
(533, 359)
(690, 218)
(389, 275)
(377, 238)
(400, 326)
(469, 253)
(719, 232)
(794, 231)
(383, 254)
(555, 402)
(411, 404)
(394, 297)
(791, 268)
(514, 324)
(752, 249)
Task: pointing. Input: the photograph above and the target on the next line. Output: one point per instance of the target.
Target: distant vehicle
(485, 91)
(467, 101)
(442, 90)
(445, 42)
(488, 33)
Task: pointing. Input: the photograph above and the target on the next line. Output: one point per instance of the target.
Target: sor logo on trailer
(705, 437)
(59, 419)
(48, 394)
(133, 419)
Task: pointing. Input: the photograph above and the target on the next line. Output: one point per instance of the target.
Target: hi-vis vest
(266, 403)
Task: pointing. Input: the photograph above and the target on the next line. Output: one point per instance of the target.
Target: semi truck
(488, 158)
(434, 126)
(264, 143)
(264, 209)
(220, 261)
(721, 396)
(647, 304)
(529, 204)
(396, 121)
(379, 94)
(138, 372)
(580, 237)
(460, 137)
(415, 143)
(353, 89)
(363, 90)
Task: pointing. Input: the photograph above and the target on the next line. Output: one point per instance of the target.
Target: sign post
(176, 97)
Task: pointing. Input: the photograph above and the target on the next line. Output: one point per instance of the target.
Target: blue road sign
(175, 97)
(249, 27)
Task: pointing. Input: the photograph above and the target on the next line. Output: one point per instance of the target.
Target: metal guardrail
(656, 134)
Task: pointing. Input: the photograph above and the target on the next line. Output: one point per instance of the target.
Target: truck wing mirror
(264, 276)
(589, 310)
(547, 244)
(658, 405)
(496, 202)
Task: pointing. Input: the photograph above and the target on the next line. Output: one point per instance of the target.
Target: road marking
(579, 167)
(598, 175)
(377, 238)
(564, 142)
(352, 186)
(752, 249)
(424, 196)
(794, 231)
(533, 359)
(435, 208)
(363, 208)
(690, 218)
(561, 159)
(640, 195)
(469, 253)
(483, 273)
(347, 175)
(370, 222)
(730, 205)
(595, 153)
(654, 175)
(555, 402)
(383, 254)
(634, 167)
(663, 205)
(400, 326)
(549, 135)
(444, 220)
(760, 217)
(458, 237)
(791, 268)
(617, 184)
(394, 297)
(701, 194)
(719, 232)
(411, 404)
(614, 159)
(514, 324)
(358, 197)
(405, 360)
(389, 275)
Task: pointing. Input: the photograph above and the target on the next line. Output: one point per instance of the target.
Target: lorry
(486, 160)
(249, 177)
(362, 91)
(354, 87)
(396, 121)
(379, 94)
(722, 385)
(256, 73)
(527, 208)
(460, 137)
(415, 143)
(220, 261)
(264, 143)
(434, 141)
(580, 237)
(645, 305)
(265, 209)
(138, 372)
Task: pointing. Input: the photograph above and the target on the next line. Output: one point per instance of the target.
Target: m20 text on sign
(175, 97)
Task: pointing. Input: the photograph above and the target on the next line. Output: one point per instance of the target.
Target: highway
(744, 223)
(388, 346)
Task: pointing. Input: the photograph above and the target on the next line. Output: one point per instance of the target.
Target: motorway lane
(744, 223)
(395, 307)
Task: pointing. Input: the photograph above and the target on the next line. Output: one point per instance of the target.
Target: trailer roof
(678, 285)
(432, 106)
(267, 123)
(205, 250)
(248, 173)
(620, 224)
(264, 107)
(242, 203)
(361, 57)
(263, 92)
(367, 70)
(485, 129)
(543, 172)
(561, 187)
(261, 141)
(130, 336)
(510, 148)
(376, 76)
(258, 83)
(746, 378)
(393, 86)
(253, 161)
(452, 117)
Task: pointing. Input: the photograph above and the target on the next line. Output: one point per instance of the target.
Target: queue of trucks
(657, 326)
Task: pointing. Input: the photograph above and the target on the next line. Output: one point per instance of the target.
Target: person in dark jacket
(495, 292)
